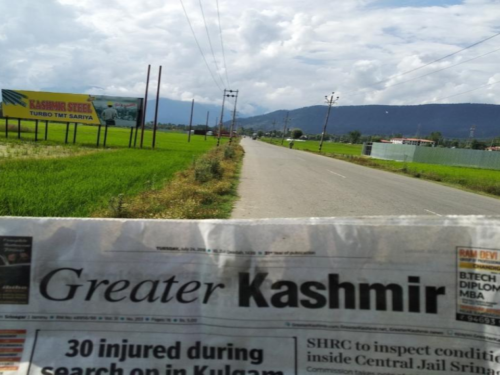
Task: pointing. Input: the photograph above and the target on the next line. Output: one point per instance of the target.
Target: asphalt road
(277, 183)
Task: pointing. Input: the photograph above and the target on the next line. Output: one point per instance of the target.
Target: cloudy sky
(280, 54)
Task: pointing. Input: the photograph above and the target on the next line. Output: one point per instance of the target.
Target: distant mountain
(452, 120)
(178, 112)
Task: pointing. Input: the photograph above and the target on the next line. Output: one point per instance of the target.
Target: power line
(429, 63)
(441, 58)
(210, 43)
(222, 45)
(465, 92)
(198, 44)
(440, 70)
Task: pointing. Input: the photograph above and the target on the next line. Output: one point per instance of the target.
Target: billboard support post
(155, 126)
(135, 139)
(98, 135)
(105, 135)
(131, 137)
(67, 132)
(6, 127)
(145, 106)
(190, 121)
(46, 129)
(36, 130)
(18, 128)
(74, 133)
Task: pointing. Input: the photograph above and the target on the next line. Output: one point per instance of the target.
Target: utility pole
(274, 131)
(221, 117)
(284, 128)
(419, 127)
(471, 135)
(235, 95)
(191, 121)
(234, 116)
(330, 102)
(206, 126)
(215, 126)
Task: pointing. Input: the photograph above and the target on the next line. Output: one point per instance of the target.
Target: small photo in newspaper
(15, 270)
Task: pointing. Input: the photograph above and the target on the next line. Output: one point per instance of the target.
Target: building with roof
(412, 141)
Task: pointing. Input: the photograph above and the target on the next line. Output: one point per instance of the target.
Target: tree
(297, 133)
(260, 133)
(477, 145)
(354, 136)
(436, 137)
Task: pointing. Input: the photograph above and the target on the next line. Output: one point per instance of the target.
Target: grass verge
(206, 190)
(473, 179)
(313, 146)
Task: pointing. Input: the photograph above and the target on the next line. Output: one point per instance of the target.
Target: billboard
(79, 108)
(128, 110)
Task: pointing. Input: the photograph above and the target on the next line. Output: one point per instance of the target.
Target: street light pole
(330, 102)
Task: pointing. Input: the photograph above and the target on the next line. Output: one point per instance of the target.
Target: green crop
(76, 186)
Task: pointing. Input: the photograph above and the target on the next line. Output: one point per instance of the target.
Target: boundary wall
(433, 155)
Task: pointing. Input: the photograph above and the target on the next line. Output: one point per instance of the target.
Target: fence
(433, 155)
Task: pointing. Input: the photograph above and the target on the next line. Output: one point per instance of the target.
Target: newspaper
(367, 296)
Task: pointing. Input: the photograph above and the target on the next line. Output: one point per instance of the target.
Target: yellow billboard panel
(33, 105)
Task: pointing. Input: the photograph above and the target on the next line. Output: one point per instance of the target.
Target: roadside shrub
(229, 152)
(117, 206)
(431, 176)
(222, 187)
(492, 189)
(207, 169)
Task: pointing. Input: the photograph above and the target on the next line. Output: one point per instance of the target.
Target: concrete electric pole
(233, 122)
(284, 128)
(235, 95)
(330, 102)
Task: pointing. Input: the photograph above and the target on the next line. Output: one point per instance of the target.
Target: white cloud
(280, 54)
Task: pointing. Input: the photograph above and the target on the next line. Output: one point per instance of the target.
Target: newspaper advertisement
(361, 296)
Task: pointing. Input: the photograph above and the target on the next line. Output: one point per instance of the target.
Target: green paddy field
(51, 178)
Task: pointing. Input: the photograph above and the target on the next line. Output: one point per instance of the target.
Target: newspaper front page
(368, 296)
